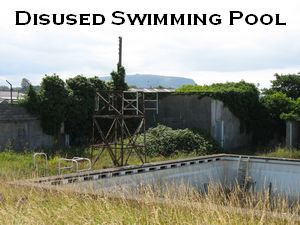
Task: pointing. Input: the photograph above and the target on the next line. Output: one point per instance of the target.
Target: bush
(166, 141)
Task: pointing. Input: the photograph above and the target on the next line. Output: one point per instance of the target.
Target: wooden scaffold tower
(119, 124)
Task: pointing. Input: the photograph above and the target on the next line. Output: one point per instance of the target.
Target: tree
(25, 83)
(118, 79)
(280, 103)
(288, 84)
(97, 84)
(32, 101)
(284, 93)
(81, 105)
(294, 113)
(54, 99)
(277, 103)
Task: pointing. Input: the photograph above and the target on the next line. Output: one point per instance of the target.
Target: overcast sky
(206, 54)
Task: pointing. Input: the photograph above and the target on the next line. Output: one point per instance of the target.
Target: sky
(207, 54)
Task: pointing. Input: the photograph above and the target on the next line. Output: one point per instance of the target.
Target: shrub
(166, 141)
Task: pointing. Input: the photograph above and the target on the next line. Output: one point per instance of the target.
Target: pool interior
(277, 175)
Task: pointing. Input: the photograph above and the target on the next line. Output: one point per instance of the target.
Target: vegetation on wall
(241, 98)
(262, 113)
(70, 103)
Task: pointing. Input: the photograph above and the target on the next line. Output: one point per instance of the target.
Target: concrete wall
(184, 111)
(281, 177)
(20, 130)
(226, 127)
(292, 134)
(190, 111)
(199, 176)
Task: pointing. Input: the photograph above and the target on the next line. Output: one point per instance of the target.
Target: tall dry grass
(175, 205)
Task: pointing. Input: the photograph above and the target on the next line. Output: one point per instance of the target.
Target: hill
(149, 80)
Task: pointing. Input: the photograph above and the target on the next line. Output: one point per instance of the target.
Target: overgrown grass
(177, 205)
(15, 165)
(20, 165)
(283, 153)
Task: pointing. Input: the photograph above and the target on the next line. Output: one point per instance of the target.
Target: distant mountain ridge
(153, 81)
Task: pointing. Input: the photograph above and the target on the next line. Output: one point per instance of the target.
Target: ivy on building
(262, 113)
(241, 98)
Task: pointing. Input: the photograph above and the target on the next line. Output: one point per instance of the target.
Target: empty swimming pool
(279, 176)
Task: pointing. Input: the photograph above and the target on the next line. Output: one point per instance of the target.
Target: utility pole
(11, 101)
(120, 52)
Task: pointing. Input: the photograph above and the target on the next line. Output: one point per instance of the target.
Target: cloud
(224, 51)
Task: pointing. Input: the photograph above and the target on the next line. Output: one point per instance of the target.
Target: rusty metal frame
(113, 109)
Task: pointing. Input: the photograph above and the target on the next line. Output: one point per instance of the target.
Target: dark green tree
(32, 101)
(118, 79)
(97, 84)
(80, 108)
(294, 113)
(54, 99)
(277, 103)
(288, 84)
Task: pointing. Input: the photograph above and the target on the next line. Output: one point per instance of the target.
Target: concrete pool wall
(278, 176)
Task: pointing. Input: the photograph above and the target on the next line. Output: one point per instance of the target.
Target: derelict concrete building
(20, 130)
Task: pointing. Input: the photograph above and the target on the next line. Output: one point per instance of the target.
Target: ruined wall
(19, 129)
